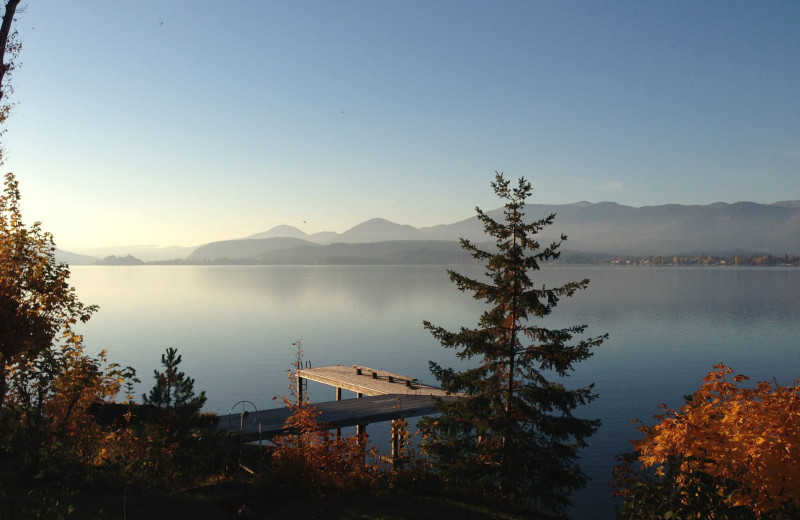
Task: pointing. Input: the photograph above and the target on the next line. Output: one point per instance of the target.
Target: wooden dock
(365, 381)
(390, 396)
(265, 424)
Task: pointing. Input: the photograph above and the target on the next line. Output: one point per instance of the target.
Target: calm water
(235, 326)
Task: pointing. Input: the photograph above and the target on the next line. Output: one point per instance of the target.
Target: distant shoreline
(576, 259)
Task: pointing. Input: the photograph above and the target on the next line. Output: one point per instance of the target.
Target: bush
(729, 452)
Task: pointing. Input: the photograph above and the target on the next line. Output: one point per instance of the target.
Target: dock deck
(334, 414)
(367, 381)
(390, 396)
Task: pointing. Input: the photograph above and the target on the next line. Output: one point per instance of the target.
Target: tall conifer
(512, 435)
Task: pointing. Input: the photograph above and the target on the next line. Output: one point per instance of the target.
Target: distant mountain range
(601, 228)
(147, 253)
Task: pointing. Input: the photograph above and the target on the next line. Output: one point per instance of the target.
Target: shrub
(730, 452)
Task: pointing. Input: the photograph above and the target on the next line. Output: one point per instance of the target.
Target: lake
(235, 325)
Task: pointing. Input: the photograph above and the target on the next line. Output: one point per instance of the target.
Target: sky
(183, 122)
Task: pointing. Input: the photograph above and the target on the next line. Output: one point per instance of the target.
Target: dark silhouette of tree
(8, 44)
(512, 434)
(9, 50)
(182, 442)
(173, 388)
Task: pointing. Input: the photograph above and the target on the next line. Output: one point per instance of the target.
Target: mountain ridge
(603, 227)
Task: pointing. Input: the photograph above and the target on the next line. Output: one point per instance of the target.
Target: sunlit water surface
(235, 325)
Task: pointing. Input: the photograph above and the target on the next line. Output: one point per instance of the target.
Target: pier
(364, 381)
(381, 396)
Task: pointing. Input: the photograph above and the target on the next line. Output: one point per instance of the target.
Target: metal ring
(244, 412)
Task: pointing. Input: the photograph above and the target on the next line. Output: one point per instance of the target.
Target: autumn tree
(512, 434)
(56, 389)
(62, 417)
(48, 384)
(731, 451)
(307, 457)
(36, 301)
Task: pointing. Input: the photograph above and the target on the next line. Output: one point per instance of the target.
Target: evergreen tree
(512, 434)
(182, 441)
(173, 388)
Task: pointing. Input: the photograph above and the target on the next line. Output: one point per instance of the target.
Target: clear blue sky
(182, 122)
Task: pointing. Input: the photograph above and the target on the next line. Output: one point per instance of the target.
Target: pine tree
(512, 434)
(173, 388)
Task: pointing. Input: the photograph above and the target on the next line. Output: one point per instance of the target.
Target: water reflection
(234, 326)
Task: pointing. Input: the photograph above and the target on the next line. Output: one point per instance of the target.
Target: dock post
(362, 429)
(299, 389)
(395, 441)
(338, 398)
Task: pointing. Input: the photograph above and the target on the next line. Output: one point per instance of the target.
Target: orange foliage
(731, 432)
(78, 386)
(313, 459)
(309, 457)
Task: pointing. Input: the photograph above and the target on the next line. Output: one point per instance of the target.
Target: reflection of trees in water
(235, 323)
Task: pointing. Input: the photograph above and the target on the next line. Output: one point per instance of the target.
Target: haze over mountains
(604, 227)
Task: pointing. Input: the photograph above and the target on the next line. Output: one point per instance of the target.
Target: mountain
(595, 228)
(603, 228)
(324, 237)
(245, 248)
(380, 230)
(146, 253)
(281, 231)
(607, 227)
(788, 204)
(66, 257)
(393, 252)
(373, 230)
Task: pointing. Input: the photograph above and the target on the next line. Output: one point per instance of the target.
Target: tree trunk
(5, 30)
(3, 383)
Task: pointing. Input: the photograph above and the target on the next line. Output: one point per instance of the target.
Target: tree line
(683, 259)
